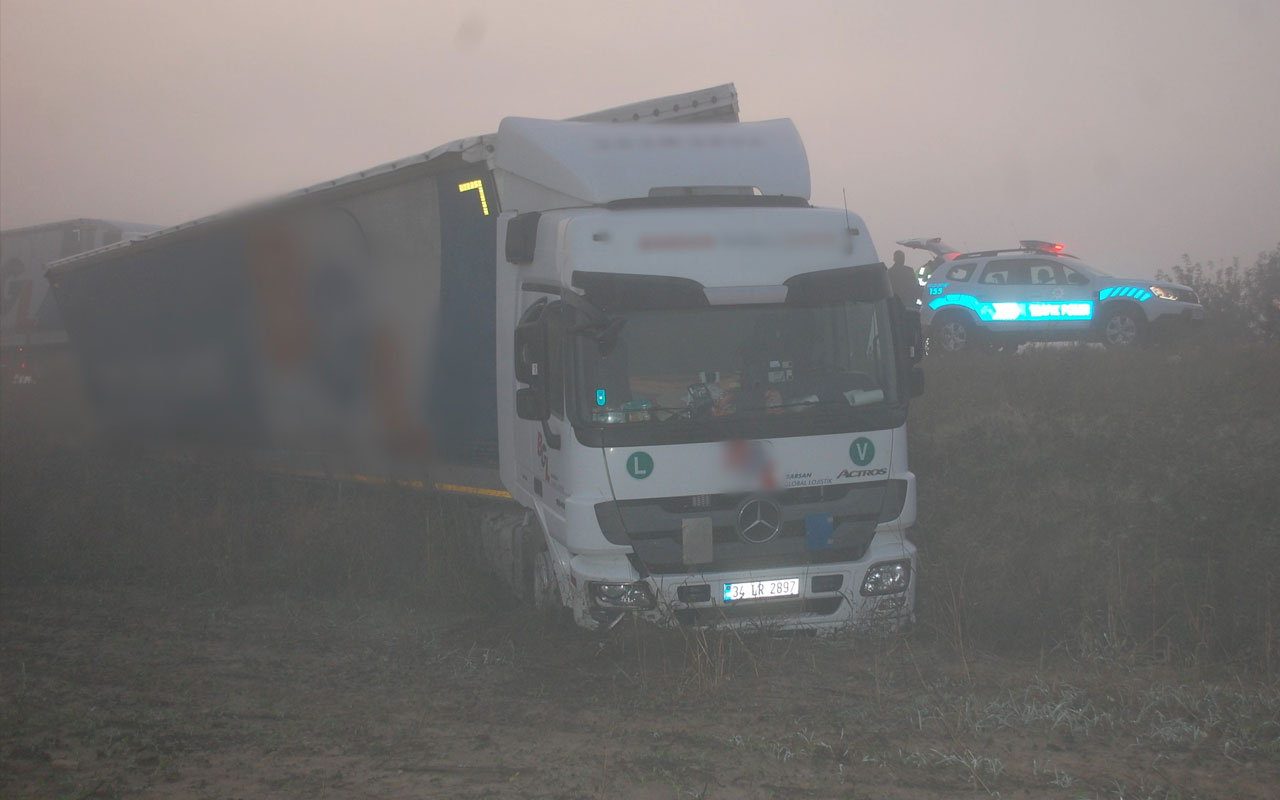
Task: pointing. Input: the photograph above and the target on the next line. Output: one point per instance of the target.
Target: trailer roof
(592, 163)
(135, 227)
(714, 104)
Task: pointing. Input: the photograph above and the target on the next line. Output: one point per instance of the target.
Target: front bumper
(697, 599)
(1177, 318)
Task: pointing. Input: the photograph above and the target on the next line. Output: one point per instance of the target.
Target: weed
(1116, 505)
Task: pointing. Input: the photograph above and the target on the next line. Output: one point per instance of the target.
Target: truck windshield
(737, 362)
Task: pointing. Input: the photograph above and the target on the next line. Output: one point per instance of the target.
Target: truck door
(1003, 288)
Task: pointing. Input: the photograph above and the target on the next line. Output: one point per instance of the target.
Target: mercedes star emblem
(759, 520)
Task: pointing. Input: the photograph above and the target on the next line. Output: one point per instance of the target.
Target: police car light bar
(1044, 247)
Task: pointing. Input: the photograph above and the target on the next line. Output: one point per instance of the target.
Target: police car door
(1059, 298)
(1002, 291)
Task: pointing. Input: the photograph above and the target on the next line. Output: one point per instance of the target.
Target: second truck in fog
(692, 383)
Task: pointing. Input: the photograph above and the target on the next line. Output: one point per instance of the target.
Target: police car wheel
(954, 334)
(1122, 327)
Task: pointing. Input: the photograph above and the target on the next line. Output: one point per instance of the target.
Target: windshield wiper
(700, 417)
(677, 412)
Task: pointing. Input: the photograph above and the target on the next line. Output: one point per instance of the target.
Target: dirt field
(131, 693)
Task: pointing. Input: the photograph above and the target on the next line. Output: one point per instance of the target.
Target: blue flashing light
(1017, 312)
(599, 397)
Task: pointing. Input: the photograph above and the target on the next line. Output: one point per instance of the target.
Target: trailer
(682, 386)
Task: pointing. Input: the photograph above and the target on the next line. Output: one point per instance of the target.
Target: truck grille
(654, 527)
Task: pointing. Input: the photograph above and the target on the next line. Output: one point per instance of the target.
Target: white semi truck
(683, 388)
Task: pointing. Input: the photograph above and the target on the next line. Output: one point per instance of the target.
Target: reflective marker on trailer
(479, 187)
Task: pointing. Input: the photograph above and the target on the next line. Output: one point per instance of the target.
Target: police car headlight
(887, 577)
(622, 595)
(1164, 294)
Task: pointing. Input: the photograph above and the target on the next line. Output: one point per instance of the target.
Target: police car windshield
(737, 361)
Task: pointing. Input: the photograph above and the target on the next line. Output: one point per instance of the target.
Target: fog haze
(1133, 133)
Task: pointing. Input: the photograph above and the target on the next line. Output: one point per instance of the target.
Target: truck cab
(709, 386)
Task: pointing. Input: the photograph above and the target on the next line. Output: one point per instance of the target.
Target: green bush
(1238, 302)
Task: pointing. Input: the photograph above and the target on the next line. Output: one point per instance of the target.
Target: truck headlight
(1164, 294)
(622, 595)
(887, 577)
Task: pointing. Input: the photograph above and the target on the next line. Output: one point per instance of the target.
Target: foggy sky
(1133, 133)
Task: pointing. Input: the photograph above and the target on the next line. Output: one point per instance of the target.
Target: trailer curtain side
(347, 333)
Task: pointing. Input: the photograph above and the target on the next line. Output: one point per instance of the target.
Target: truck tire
(954, 333)
(1123, 326)
(505, 541)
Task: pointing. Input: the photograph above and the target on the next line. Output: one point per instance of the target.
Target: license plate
(759, 590)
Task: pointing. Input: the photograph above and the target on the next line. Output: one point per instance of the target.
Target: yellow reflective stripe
(453, 487)
(410, 484)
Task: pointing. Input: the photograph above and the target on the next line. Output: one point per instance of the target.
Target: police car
(999, 299)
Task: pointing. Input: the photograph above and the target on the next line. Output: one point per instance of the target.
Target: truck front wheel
(544, 586)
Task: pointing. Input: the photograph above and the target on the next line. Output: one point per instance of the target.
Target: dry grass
(1112, 504)
(79, 516)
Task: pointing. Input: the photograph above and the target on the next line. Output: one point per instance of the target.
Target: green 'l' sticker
(640, 464)
(862, 451)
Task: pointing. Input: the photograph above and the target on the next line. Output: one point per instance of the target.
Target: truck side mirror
(912, 335)
(531, 352)
(531, 404)
(909, 343)
(531, 368)
(906, 330)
